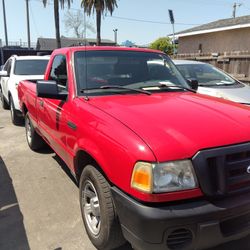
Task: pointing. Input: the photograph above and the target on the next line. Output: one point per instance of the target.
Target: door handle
(71, 125)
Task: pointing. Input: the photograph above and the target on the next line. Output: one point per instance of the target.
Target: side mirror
(49, 89)
(193, 83)
(4, 73)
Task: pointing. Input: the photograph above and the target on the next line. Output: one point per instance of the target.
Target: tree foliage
(56, 16)
(128, 43)
(75, 21)
(164, 44)
(98, 7)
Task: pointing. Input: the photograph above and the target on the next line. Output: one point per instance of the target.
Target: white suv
(19, 68)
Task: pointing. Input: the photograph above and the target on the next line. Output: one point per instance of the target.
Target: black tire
(34, 140)
(3, 101)
(106, 234)
(16, 120)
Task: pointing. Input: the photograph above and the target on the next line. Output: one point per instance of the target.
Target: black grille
(224, 171)
(179, 238)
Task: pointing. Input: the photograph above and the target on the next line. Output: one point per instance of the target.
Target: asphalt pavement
(39, 205)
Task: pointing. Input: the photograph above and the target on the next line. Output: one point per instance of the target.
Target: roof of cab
(31, 57)
(103, 48)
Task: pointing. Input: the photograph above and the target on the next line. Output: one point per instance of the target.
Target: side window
(58, 72)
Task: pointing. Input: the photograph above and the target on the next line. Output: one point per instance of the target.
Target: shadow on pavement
(12, 231)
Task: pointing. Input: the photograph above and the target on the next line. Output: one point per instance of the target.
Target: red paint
(119, 130)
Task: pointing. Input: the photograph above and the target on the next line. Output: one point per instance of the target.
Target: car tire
(3, 101)
(98, 211)
(34, 140)
(16, 120)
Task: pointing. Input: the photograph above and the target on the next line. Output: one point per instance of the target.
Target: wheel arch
(24, 109)
(9, 96)
(81, 160)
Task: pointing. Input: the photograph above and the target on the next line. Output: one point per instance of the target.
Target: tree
(98, 6)
(164, 44)
(56, 16)
(76, 22)
(128, 43)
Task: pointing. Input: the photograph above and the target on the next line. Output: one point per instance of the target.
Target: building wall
(222, 41)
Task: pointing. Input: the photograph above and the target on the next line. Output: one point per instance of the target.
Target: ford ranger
(158, 165)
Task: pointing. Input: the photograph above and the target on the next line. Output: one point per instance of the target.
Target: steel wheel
(91, 208)
(98, 210)
(28, 131)
(34, 140)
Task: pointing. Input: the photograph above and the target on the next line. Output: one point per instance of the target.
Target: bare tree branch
(74, 21)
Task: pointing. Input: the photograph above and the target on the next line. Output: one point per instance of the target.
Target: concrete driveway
(39, 206)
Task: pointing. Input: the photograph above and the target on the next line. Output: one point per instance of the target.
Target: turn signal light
(142, 177)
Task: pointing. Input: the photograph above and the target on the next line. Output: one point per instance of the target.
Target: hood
(239, 94)
(177, 125)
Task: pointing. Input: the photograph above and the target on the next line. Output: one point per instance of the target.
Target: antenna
(235, 5)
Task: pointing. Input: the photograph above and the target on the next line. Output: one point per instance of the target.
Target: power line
(149, 21)
(139, 20)
(209, 2)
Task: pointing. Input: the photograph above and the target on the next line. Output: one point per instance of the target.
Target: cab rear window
(30, 67)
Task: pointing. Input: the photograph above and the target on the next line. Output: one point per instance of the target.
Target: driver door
(52, 113)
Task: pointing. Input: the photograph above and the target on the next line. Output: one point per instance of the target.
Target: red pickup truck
(158, 165)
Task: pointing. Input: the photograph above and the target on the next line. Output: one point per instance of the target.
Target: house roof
(220, 25)
(50, 43)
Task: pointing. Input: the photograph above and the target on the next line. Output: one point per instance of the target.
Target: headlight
(164, 177)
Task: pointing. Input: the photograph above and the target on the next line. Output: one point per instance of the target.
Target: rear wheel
(98, 211)
(3, 101)
(16, 120)
(34, 140)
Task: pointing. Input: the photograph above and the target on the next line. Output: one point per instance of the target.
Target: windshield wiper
(162, 85)
(126, 88)
(119, 87)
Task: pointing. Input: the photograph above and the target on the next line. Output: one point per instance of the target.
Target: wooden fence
(236, 64)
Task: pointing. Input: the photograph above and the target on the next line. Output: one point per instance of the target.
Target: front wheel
(98, 211)
(34, 140)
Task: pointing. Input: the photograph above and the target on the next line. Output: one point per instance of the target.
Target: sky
(140, 21)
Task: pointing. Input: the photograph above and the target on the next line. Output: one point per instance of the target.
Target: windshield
(30, 67)
(206, 75)
(128, 69)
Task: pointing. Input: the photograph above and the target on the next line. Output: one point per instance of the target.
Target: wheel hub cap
(91, 208)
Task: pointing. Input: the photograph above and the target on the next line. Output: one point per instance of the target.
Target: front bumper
(196, 224)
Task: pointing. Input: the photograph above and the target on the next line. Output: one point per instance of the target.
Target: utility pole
(28, 22)
(235, 7)
(5, 25)
(115, 34)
